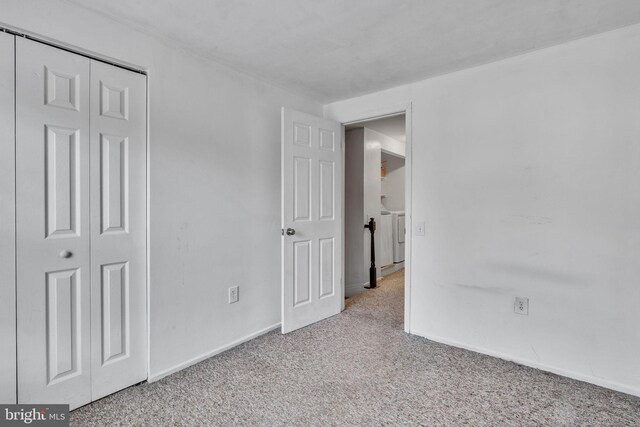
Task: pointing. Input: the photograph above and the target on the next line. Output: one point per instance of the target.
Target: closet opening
(73, 310)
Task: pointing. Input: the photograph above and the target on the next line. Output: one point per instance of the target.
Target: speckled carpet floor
(360, 369)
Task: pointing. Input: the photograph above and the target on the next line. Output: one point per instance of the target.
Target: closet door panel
(52, 226)
(118, 228)
(7, 222)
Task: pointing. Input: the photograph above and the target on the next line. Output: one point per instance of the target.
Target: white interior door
(118, 229)
(52, 226)
(311, 219)
(7, 222)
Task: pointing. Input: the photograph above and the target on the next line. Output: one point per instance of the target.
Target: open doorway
(375, 175)
(313, 215)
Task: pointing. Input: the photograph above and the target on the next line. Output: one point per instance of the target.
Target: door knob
(290, 231)
(65, 254)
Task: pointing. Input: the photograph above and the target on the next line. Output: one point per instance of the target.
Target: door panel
(118, 229)
(312, 205)
(302, 189)
(62, 177)
(327, 267)
(115, 312)
(114, 179)
(7, 222)
(63, 324)
(302, 272)
(52, 226)
(327, 191)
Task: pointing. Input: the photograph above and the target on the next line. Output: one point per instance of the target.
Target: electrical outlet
(234, 294)
(521, 306)
(420, 229)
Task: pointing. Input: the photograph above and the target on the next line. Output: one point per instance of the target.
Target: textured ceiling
(336, 49)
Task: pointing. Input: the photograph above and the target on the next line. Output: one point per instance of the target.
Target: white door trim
(376, 113)
(8, 373)
(148, 218)
(19, 32)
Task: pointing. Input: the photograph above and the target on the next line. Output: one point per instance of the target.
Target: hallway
(359, 368)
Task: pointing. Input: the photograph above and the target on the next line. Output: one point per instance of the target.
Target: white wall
(354, 256)
(527, 173)
(388, 144)
(393, 183)
(372, 162)
(214, 183)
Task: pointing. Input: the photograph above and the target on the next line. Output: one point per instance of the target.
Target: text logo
(34, 415)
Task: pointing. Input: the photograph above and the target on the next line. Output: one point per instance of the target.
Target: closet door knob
(65, 254)
(290, 231)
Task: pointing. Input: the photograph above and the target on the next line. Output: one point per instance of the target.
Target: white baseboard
(378, 278)
(390, 270)
(354, 289)
(533, 364)
(193, 361)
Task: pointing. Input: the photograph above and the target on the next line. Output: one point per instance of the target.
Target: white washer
(384, 235)
(397, 217)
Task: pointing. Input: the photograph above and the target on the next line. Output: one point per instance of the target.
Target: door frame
(352, 117)
(20, 32)
(8, 229)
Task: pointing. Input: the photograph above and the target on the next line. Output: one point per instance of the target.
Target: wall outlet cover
(521, 306)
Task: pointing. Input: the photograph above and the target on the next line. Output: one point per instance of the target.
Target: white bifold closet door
(118, 229)
(80, 205)
(52, 212)
(7, 223)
